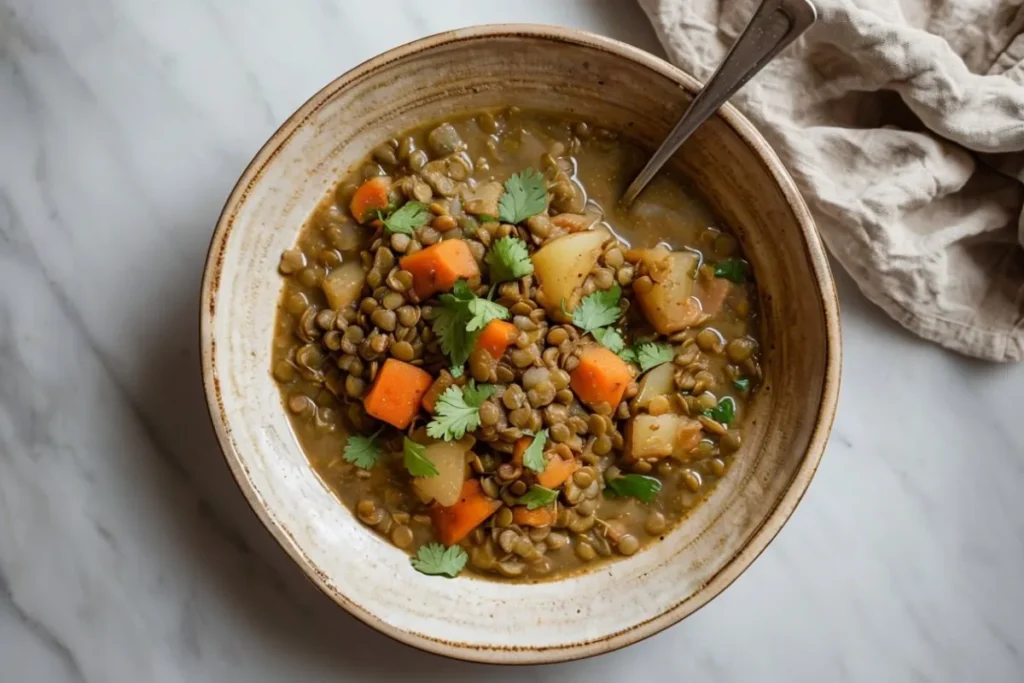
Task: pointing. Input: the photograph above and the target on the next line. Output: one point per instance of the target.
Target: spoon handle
(775, 24)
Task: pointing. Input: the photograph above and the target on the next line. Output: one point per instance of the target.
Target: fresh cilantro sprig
(415, 460)
(407, 218)
(538, 497)
(533, 456)
(724, 412)
(610, 338)
(651, 355)
(525, 195)
(460, 315)
(637, 486)
(732, 269)
(457, 411)
(509, 259)
(597, 310)
(434, 559)
(363, 451)
(742, 385)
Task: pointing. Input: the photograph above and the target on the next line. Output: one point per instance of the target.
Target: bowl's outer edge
(758, 541)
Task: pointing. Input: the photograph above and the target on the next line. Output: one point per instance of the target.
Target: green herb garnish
(600, 309)
(483, 312)
(406, 219)
(724, 412)
(651, 355)
(363, 451)
(525, 195)
(460, 315)
(637, 486)
(742, 385)
(538, 497)
(732, 269)
(457, 411)
(533, 457)
(610, 338)
(508, 260)
(415, 459)
(436, 560)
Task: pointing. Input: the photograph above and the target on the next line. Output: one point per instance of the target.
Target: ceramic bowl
(623, 88)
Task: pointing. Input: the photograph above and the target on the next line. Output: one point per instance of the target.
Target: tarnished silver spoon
(775, 24)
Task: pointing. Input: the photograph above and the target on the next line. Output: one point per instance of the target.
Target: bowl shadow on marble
(258, 584)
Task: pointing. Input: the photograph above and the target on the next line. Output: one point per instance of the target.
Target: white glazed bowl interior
(621, 602)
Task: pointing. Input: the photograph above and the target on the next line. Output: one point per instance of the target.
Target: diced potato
(659, 381)
(669, 305)
(484, 200)
(449, 457)
(659, 436)
(344, 284)
(563, 264)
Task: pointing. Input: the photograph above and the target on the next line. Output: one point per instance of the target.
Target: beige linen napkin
(902, 121)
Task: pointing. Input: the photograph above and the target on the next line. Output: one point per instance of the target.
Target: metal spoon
(775, 24)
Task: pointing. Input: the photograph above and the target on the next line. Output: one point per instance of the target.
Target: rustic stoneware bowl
(623, 88)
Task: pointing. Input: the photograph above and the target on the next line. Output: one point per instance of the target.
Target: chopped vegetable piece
(651, 355)
(660, 381)
(724, 412)
(343, 286)
(598, 310)
(436, 560)
(496, 337)
(637, 486)
(669, 305)
(415, 461)
(600, 377)
(363, 451)
(742, 385)
(563, 264)
(453, 523)
(538, 497)
(437, 268)
(448, 460)
(371, 197)
(484, 311)
(533, 454)
(396, 392)
(525, 195)
(556, 472)
(732, 269)
(508, 260)
(659, 436)
(407, 218)
(460, 315)
(714, 294)
(458, 411)
(610, 338)
(444, 380)
(527, 516)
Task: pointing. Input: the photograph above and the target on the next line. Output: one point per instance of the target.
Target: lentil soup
(497, 367)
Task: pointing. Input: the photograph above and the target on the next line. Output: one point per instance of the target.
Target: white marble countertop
(127, 552)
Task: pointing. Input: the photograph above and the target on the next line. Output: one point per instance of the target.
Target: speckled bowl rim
(761, 537)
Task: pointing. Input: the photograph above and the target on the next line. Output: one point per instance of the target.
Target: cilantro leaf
(637, 486)
(362, 451)
(434, 559)
(484, 311)
(610, 338)
(457, 411)
(525, 195)
(732, 269)
(415, 460)
(509, 260)
(457, 371)
(406, 219)
(538, 497)
(724, 412)
(628, 354)
(487, 218)
(600, 309)
(651, 355)
(742, 385)
(533, 456)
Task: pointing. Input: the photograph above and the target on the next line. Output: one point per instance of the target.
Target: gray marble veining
(128, 554)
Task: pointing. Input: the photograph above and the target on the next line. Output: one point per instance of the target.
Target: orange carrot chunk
(520, 448)
(600, 377)
(523, 516)
(714, 294)
(369, 198)
(396, 392)
(496, 337)
(437, 268)
(557, 472)
(453, 523)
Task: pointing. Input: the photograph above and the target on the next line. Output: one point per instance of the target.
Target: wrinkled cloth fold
(902, 122)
